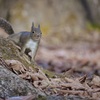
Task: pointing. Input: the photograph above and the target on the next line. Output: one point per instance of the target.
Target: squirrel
(25, 40)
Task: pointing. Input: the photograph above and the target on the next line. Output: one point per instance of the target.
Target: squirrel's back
(5, 28)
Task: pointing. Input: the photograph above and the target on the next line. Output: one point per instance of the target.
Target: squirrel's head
(36, 32)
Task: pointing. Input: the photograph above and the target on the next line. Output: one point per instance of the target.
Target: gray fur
(6, 26)
(28, 40)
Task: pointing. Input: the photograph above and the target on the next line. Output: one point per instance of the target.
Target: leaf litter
(81, 72)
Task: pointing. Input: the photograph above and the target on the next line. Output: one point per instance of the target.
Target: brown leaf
(96, 81)
(73, 92)
(40, 84)
(96, 96)
(25, 75)
(16, 66)
(43, 75)
(82, 79)
(73, 83)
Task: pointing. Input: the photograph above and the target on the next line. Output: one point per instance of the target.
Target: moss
(49, 73)
(41, 98)
(91, 27)
(8, 50)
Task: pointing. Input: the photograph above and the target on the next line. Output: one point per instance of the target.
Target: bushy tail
(6, 26)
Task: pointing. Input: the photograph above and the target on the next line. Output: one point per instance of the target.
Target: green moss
(49, 73)
(42, 98)
(92, 27)
(8, 50)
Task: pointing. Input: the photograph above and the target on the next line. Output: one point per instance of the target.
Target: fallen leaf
(96, 81)
(16, 66)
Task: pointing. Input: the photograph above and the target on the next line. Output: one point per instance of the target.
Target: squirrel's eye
(33, 32)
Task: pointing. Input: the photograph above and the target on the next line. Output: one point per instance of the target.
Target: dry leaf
(40, 84)
(96, 81)
(73, 83)
(43, 75)
(16, 66)
(25, 75)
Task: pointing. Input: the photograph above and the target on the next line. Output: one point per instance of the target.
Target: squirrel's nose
(38, 35)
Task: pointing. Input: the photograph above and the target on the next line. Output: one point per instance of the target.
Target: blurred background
(70, 29)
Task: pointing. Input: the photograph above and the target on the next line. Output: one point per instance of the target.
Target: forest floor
(77, 68)
(79, 63)
(83, 57)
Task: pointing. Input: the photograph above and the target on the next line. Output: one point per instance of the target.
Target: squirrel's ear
(32, 24)
(39, 26)
(32, 28)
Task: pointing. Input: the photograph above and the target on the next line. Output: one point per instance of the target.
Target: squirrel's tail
(6, 26)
